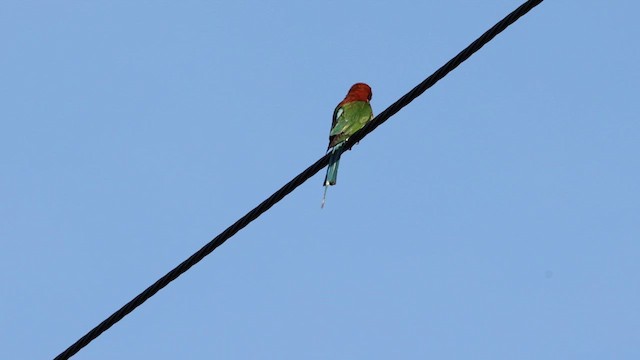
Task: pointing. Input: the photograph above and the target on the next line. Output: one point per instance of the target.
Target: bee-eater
(350, 115)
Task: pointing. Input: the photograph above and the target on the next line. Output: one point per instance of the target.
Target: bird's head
(359, 92)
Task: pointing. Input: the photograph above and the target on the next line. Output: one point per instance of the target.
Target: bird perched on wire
(350, 115)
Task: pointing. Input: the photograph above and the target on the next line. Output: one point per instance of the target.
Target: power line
(297, 181)
(442, 72)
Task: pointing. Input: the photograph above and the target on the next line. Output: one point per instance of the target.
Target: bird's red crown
(358, 92)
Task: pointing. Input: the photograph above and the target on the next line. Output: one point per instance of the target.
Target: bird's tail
(332, 170)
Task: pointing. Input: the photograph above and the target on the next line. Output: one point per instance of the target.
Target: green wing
(347, 119)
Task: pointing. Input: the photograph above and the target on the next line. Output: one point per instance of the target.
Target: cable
(442, 72)
(297, 181)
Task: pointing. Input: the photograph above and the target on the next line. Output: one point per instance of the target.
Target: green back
(348, 119)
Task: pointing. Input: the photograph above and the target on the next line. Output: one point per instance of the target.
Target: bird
(351, 115)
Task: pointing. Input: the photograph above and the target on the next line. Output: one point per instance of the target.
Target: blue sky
(496, 217)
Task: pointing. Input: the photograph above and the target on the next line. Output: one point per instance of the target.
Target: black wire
(442, 72)
(297, 181)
